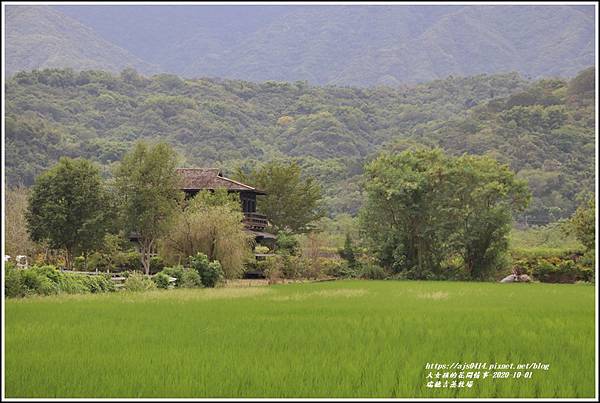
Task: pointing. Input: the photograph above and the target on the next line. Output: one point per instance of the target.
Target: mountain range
(321, 44)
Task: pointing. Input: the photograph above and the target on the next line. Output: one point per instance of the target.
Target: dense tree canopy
(69, 207)
(148, 189)
(426, 212)
(292, 203)
(544, 129)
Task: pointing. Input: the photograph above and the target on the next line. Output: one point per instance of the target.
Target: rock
(524, 278)
(509, 279)
(514, 278)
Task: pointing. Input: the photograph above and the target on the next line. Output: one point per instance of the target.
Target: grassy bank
(330, 339)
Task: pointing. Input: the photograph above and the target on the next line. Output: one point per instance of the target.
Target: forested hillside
(341, 45)
(543, 129)
(41, 37)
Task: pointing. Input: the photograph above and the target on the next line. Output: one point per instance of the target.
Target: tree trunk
(145, 250)
(68, 259)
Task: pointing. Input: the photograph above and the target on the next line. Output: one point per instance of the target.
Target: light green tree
(292, 202)
(210, 223)
(148, 192)
(583, 223)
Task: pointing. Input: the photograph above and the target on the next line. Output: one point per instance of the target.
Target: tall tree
(148, 188)
(68, 207)
(292, 202)
(424, 209)
(485, 194)
(403, 217)
(16, 237)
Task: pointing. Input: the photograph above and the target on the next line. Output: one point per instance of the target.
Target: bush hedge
(138, 282)
(48, 280)
(566, 268)
(211, 273)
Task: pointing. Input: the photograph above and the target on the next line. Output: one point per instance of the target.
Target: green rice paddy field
(329, 339)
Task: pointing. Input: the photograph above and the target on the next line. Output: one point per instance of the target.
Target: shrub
(211, 273)
(335, 267)
(13, 283)
(138, 282)
(287, 243)
(271, 267)
(199, 262)
(161, 280)
(98, 262)
(190, 279)
(372, 271)
(100, 283)
(176, 272)
(295, 267)
(37, 283)
(261, 249)
(127, 261)
(46, 280)
(156, 264)
(79, 263)
(72, 283)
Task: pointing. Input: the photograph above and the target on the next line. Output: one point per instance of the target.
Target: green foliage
(546, 239)
(138, 282)
(176, 272)
(99, 283)
(185, 277)
(210, 223)
(156, 264)
(292, 202)
(583, 223)
(583, 86)
(295, 267)
(348, 253)
(234, 123)
(161, 280)
(79, 263)
(13, 283)
(190, 279)
(68, 207)
(128, 260)
(372, 271)
(564, 267)
(338, 268)
(148, 185)
(287, 243)
(424, 207)
(47, 280)
(211, 273)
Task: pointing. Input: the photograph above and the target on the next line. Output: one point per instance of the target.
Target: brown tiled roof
(210, 178)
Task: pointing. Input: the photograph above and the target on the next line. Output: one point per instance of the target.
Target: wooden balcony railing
(255, 221)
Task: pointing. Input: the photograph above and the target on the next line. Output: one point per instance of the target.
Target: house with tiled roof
(195, 180)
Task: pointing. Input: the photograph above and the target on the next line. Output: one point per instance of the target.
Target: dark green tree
(483, 196)
(69, 208)
(425, 208)
(348, 253)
